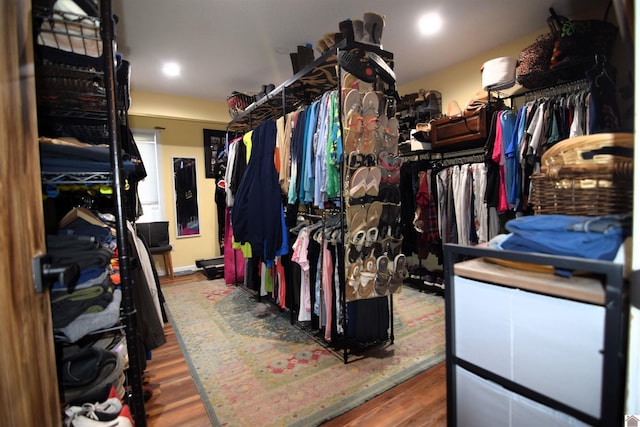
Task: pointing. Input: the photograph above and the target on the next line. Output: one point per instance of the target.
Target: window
(150, 189)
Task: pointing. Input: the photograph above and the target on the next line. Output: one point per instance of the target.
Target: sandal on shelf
(370, 125)
(373, 215)
(371, 122)
(391, 167)
(358, 239)
(373, 181)
(390, 214)
(367, 280)
(392, 246)
(371, 103)
(381, 284)
(358, 184)
(392, 135)
(353, 281)
(353, 131)
(389, 193)
(356, 215)
(353, 254)
(400, 273)
(352, 102)
(381, 133)
(369, 265)
(349, 81)
(372, 236)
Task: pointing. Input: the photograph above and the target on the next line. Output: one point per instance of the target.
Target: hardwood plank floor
(419, 401)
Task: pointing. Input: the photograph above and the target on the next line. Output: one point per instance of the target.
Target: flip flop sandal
(353, 282)
(356, 215)
(392, 246)
(371, 103)
(352, 102)
(356, 160)
(390, 214)
(373, 181)
(395, 283)
(358, 239)
(358, 184)
(353, 254)
(373, 215)
(370, 159)
(389, 161)
(381, 133)
(351, 290)
(381, 284)
(389, 193)
(392, 135)
(367, 280)
(369, 265)
(353, 131)
(349, 81)
(369, 128)
(372, 236)
(400, 265)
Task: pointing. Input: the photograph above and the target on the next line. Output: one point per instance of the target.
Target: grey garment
(603, 224)
(95, 281)
(90, 322)
(150, 329)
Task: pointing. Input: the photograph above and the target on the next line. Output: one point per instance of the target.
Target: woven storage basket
(585, 176)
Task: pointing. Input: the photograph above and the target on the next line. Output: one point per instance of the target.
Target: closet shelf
(301, 89)
(74, 178)
(67, 31)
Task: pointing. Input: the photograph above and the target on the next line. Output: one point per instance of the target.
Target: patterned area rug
(253, 367)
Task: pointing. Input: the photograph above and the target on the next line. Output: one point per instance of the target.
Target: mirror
(186, 194)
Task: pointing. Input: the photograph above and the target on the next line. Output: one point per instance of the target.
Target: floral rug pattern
(253, 367)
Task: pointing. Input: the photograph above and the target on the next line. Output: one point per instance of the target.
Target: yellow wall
(184, 138)
(160, 105)
(461, 81)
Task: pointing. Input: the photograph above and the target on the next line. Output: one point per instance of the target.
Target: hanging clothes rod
(556, 90)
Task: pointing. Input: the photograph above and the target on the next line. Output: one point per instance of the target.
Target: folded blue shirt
(585, 237)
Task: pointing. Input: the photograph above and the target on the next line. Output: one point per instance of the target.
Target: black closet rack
(556, 89)
(309, 84)
(303, 88)
(69, 36)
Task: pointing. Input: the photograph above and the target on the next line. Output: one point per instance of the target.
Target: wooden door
(28, 379)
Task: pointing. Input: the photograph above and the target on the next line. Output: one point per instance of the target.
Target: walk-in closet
(319, 214)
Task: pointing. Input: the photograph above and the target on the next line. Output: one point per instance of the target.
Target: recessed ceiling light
(430, 23)
(171, 69)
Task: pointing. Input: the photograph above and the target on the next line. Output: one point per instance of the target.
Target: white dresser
(526, 347)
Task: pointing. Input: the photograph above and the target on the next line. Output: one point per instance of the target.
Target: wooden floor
(420, 401)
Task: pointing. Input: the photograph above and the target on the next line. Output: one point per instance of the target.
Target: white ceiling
(225, 45)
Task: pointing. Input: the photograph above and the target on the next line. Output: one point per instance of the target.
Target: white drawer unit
(528, 347)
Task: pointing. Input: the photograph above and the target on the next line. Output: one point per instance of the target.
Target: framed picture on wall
(214, 142)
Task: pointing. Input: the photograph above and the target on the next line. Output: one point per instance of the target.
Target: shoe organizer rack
(76, 90)
(369, 199)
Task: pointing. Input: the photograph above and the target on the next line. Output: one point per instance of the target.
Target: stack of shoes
(301, 58)
(367, 30)
(107, 410)
(373, 245)
(86, 372)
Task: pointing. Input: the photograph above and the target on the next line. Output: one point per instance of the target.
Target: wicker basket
(588, 175)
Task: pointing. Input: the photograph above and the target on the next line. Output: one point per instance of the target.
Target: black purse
(577, 42)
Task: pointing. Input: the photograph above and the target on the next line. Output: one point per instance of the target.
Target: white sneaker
(102, 414)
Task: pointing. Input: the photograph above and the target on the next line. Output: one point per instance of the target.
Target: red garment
(427, 212)
(498, 157)
(232, 273)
